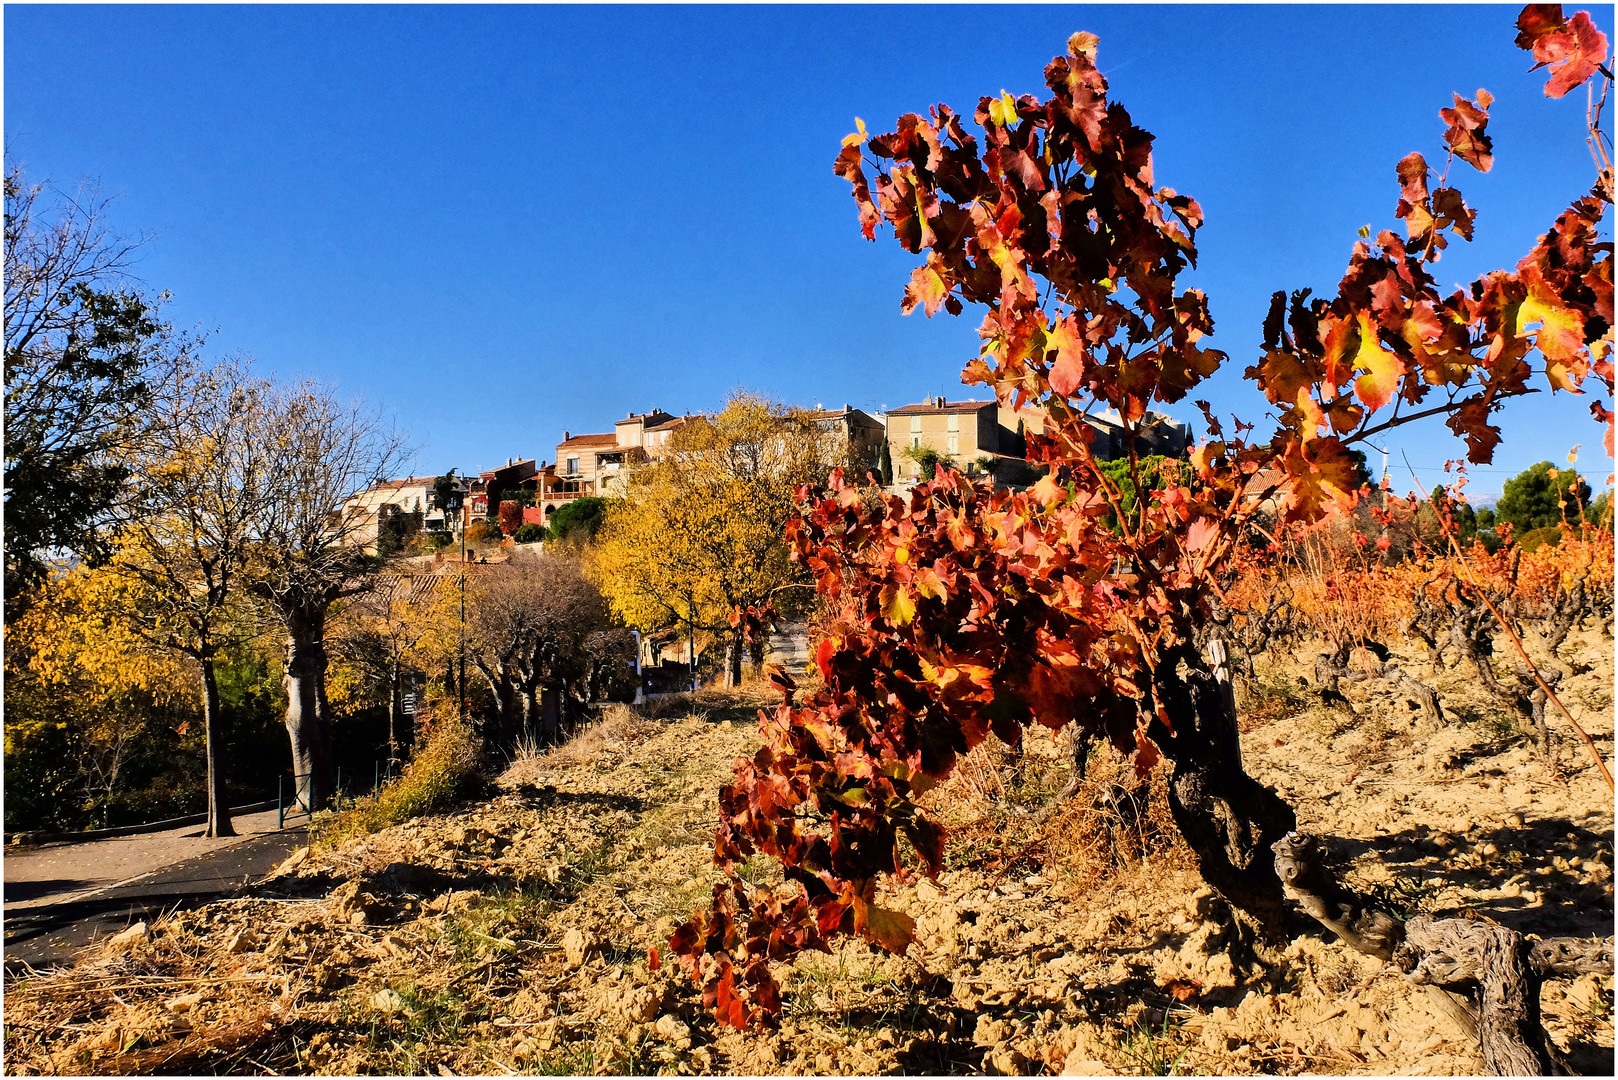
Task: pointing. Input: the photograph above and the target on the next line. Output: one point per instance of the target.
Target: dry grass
(617, 727)
(440, 774)
(1006, 812)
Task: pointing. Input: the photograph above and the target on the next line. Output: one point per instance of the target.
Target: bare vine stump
(1446, 952)
(1332, 668)
(1451, 957)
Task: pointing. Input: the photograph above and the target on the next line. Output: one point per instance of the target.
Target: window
(915, 442)
(572, 465)
(915, 423)
(954, 421)
(954, 443)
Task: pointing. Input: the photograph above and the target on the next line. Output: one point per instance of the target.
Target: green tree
(1600, 511)
(885, 465)
(86, 357)
(1151, 471)
(396, 530)
(578, 520)
(1540, 496)
(1464, 521)
(447, 496)
(928, 459)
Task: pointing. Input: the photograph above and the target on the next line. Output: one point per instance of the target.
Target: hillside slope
(512, 936)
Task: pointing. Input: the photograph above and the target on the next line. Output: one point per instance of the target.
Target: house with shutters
(599, 464)
(986, 434)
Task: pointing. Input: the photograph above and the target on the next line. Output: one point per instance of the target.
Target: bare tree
(308, 553)
(530, 628)
(86, 357)
(185, 544)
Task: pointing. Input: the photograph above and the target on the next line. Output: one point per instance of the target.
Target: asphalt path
(46, 935)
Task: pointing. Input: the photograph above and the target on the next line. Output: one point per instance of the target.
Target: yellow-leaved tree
(703, 529)
(84, 689)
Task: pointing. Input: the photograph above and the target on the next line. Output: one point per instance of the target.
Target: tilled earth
(513, 936)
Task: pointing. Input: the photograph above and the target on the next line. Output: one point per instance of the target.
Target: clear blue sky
(498, 223)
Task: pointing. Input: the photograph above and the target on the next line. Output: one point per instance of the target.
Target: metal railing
(385, 769)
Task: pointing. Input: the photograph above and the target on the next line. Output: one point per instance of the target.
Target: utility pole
(462, 647)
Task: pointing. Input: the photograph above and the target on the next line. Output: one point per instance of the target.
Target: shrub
(529, 532)
(430, 542)
(1534, 538)
(483, 532)
(442, 773)
(579, 519)
(928, 460)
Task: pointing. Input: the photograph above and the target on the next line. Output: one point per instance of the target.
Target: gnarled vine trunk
(1486, 976)
(308, 719)
(1229, 820)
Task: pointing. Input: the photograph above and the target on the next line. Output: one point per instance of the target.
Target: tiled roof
(419, 588)
(584, 442)
(395, 485)
(928, 408)
(487, 473)
(670, 425)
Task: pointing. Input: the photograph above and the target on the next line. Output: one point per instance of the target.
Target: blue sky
(498, 223)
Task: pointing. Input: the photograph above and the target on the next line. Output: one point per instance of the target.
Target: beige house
(963, 430)
(969, 431)
(366, 510)
(598, 465)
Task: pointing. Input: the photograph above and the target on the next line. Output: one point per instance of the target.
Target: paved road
(41, 934)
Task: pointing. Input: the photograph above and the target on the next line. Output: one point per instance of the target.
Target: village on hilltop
(982, 437)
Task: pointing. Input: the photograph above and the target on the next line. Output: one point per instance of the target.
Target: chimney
(630, 415)
(566, 435)
(847, 407)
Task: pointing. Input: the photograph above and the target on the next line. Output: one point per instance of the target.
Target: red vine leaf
(1465, 135)
(1574, 49)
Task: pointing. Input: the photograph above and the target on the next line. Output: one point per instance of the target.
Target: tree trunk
(733, 660)
(395, 704)
(550, 707)
(1227, 818)
(308, 720)
(214, 726)
(525, 711)
(503, 691)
